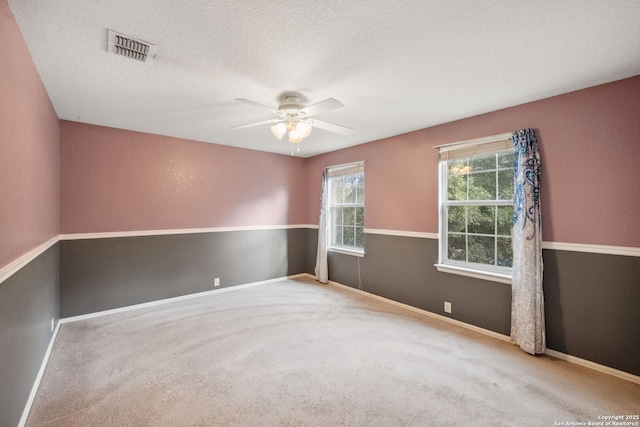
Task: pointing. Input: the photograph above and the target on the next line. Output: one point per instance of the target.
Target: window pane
(505, 254)
(482, 186)
(349, 216)
(481, 219)
(338, 188)
(349, 234)
(360, 237)
(483, 163)
(337, 237)
(481, 249)
(457, 187)
(459, 167)
(506, 160)
(359, 217)
(350, 186)
(505, 219)
(456, 247)
(505, 184)
(455, 218)
(360, 189)
(337, 216)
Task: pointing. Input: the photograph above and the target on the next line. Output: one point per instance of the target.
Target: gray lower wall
(402, 269)
(592, 307)
(102, 274)
(591, 300)
(312, 250)
(28, 302)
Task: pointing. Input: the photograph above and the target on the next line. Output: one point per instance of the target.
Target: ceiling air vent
(130, 47)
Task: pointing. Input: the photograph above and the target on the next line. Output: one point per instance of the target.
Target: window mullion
(343, 226)
(495, 237)
(467, 182)
(466, 234)
(495, 216)
(479, 203)
(349, 205)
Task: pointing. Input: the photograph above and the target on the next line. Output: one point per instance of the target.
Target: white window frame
(340, 171)
(466, 149)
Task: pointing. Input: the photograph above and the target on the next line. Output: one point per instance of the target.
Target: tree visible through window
(478, 209)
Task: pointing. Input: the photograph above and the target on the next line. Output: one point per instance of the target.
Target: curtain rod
(470, 142)
(360, 162)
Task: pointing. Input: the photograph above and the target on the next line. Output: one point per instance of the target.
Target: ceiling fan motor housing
(291, 106)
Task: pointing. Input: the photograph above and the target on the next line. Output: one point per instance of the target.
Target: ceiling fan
(295, 118)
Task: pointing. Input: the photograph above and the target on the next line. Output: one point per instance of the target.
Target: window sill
(347, 251)
(478, 274)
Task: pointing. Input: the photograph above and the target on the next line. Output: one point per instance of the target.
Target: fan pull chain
(292, 145)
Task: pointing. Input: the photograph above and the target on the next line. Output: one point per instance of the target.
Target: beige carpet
(297, 353)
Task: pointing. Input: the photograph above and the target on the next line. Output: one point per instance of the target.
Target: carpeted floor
(297, 353)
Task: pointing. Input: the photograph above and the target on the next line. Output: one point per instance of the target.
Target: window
(346, 208)
(476, 208)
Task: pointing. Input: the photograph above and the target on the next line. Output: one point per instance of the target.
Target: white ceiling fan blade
(322, 106)
(258, 123)
(342, 130)
(255, 104)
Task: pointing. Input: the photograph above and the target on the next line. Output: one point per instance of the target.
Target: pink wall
(590, 148)
(118, 180)
(400, 186)
(29, 149)
(115, 180)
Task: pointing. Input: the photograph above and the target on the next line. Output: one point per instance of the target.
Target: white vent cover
(130, 47)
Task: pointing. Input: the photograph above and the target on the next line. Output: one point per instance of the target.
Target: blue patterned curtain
(322, 269)
(527, 300)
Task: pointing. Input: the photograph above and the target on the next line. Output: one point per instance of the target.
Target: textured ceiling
(397, 66)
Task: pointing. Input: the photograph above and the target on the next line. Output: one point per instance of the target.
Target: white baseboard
(592, 365)
(173, 299)
(552, 353)
(36, 383)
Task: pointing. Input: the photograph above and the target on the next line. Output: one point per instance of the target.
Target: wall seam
(15, 265)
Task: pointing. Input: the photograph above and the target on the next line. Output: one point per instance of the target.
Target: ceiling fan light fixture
(278, 130)
(294, 136)
(304, 129)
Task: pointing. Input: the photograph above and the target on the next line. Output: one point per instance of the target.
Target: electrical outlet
(447, 307)
(216, 281)
(52, 324)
